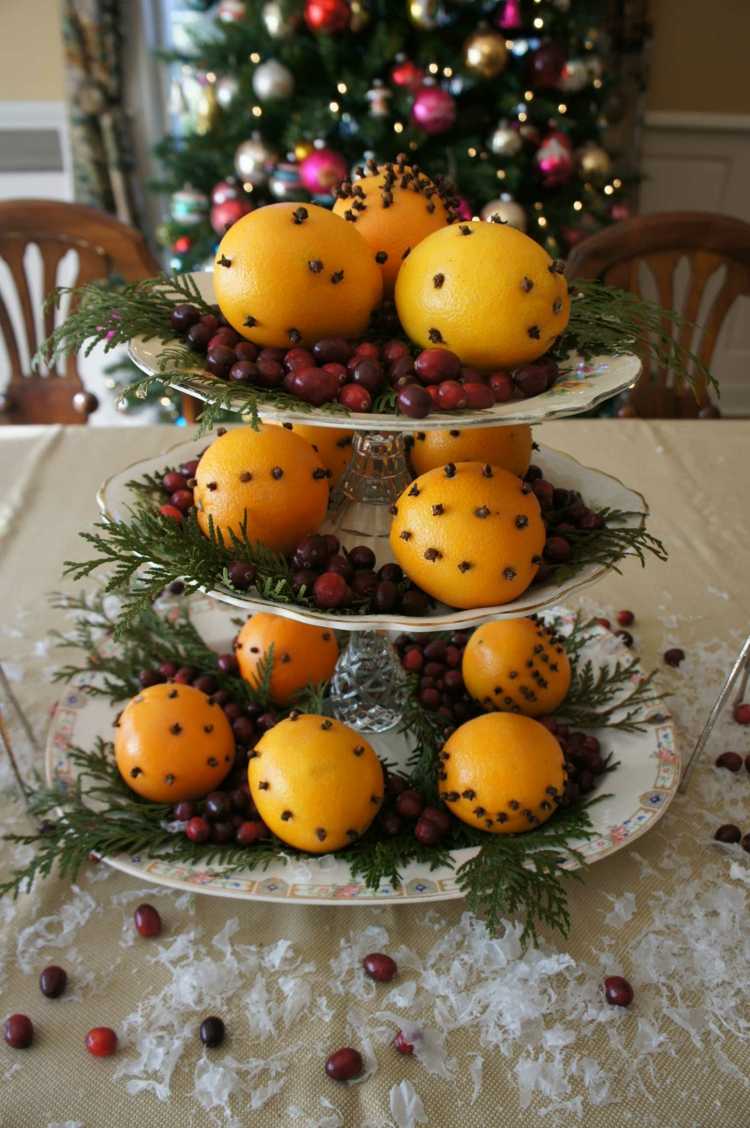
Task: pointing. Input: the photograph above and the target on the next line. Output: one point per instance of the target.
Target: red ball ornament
(224, 215)
(554, 159)
(546, 64)
(225, 190)
(407, 74)
(322, 171)
(182, 245)
(573, 235)
(434, 109)
(327, 16)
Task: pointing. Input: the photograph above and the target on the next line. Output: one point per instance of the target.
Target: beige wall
(699, 59)
(31, 51)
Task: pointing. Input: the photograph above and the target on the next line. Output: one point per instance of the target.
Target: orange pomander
(290, 274)
(302, 655)
(270, 477)
(470, 534)
(333, 445)
(316, 782)
(518, 666)
(486, 291)
(506, 447)
(393, 209)
(502, 772)
(172, 743)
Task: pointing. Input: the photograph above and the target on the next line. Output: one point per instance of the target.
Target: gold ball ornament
(360, 15)
(593, 160)
(424, 13)
(485, 53)
(502, 773)
(516, 665)
(316, 783)
(506, 447)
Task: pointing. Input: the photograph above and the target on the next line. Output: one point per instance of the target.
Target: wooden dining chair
(659, 244)
(105, 248)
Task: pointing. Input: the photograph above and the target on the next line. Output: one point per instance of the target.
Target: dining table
(509, 1035)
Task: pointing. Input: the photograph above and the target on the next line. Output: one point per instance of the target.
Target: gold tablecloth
(516, 1039)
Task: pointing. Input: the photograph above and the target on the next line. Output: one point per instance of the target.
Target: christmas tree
(510, 100)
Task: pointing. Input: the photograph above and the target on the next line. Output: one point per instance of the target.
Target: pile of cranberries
(335, 370)
(564, 512)
(341, 577)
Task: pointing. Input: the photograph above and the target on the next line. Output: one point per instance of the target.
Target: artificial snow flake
(406, 1105)
(476, 1065)
(54, 931)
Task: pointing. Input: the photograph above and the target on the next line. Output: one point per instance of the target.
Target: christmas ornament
(529, 132)
(252, 160)
(284, 182)
(408, 74)
(327, 16)
(188, 206)
(225, 214)
(593, 160)
(230, 11)
(273, 81)
(485, 53)
(505, 142)
(434, 109)
(546, 64)
(225, 190)
(463, 208)
(574, 76)
(302, 149)
(208, 109)
(379, 96)
(507, 210)
(554, 159)
(424, 13)
(573, 235)
(226, 89)
(322, 171)
(509, 18)
(277, 23)
(619, 212)
(183, 244)
(360, 16)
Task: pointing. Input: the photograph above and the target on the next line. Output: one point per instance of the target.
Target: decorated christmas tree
(513, 101)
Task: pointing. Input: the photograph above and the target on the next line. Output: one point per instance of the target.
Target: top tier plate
(581, 386)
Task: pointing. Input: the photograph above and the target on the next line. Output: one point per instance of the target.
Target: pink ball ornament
(463, 208)
(225, 190)
(509, 18)
(554, 159)
(322, 170)
(619, 212)
(224, 215)
(434, 109)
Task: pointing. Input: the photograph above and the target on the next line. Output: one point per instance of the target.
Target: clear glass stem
(375, 477)
(368, 685)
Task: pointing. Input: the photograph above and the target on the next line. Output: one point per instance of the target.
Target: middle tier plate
(600, 490)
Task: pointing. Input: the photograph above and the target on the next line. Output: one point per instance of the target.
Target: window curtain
(99, 126)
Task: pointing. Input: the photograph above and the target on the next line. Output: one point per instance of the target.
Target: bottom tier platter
(637, 794)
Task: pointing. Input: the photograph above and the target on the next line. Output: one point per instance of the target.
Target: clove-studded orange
(173, 743)
(502, 773)
(484, 290)
(332, 444)
(394, 207)
(516, 665)
(270, 478)
(316, 782)
(469, 534)
(290, 274)
(302, 654)
(507, 447)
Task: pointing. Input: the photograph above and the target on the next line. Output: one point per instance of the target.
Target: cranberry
(243, 372)
(430, 698)
(390, 823)
(174, 481)
(249, 832)
(222, 832)
(362, 557)
(440, 818)
(176, 587)
(270, 353)
(395, 350)
(225, 337)
(299, 359)
(101, 1041)
(232, 711)
(218, 803)
(211, 321)
(590, 520)
(212, 1032)
(241, 575)
(219, 360)
(413, 660)
(367, 348)
(227, 663)
(312, 551)
(168, 669)
(410, 803)
(414, 401)
(532, 379)
(604, 623)
(182, 500)
(674, 656)
(434, 365)
(185, 675)
(557, 549)
(434, 670)
(730, 760)
(355, 398)
(53, 981)
(190, 468)
(742, 714)
(396, 784)
(150, 677)
(618, 991)
(331, 590)
(206, 683)
(19, 1031)
(502, 386)
(341, 565)
(266, 721)
(745, 843)
(147, 921)
(183, 317)
(454, 681)
(338, 372)
(244, 730)
(414, 602)
(401, 1043)
(270, 372)
(198, 829)
(344, 1065)
(625, 618)
(479, 396)
(435, 650)
(401, 373)
(368, 374)
(380, 967)
(451, 395)
(427, 832)
(198, 337)
(246, 350)
(544, 492)
(452, 656)
(184, 811)
(386, 596)
(172, 512)
(728, 833)
(365, 584)
(332, 350)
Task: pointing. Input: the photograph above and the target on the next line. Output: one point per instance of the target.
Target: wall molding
(694, 121)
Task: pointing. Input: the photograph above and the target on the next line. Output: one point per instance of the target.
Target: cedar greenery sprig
(609, 545)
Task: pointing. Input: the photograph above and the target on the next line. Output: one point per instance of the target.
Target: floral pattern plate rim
(582, 385)
(640, 791)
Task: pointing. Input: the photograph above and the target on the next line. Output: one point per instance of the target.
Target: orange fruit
(290, 274)
(333, 445)
(484, 290)
(502, 772)
(173, 743)
(393, 210)
(516, 665)
(271, 478)
(507, 447)
(316, 782)
(468, 534)
(302, 655)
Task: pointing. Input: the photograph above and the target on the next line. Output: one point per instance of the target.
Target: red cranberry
(333, 543)
(183, 317)
(314, 386)
(243, 372)
(244, 731)
(270, 372)
(362, 557)
(226, 336)
(298, 359)
(557, 549)
(395, 350)
(604, 623)
(219, 360)
(674, 656)
(174, 481)
(386, 597)
(190, 468)
(168, 669)
(401, 1043)
(618, 991)
(232, 711)
(344, 1065)
(312, 551)
(241, 575)
(413, 660)
(430, 698)
(452, 656)
(338, 372)
(401, 372)
(150, 677)
(228, 664)
(502, 386)
(390, 823)
(435, 650)
(198, 337)
(304, 578)
(147, 921)
(270, 353)
(728, 833)
(266, 721)
(18, 1031)
(172, 512)
(543, 491)
(440, 818)
(479, 396)
(364, 584)
(198, 829)
(222, 832)
(185, 675)
(218, 804)
(380, 967)
(434, 365)
(341, 565)
(427, 832)
(414, 401)
(396, 784)
(332, 350)
(454, 681)
(212, 1032)
(246, 350)
(414, 602)
(211, 321)
(368, 348)
(745, 843)
(532, 379)
(451, 395)
(207, 684)
(331, 590)
(101, 1041)
(732, 761)
(625, 618)
(355, 398)
(742, 714)
(249, 832)
(368, 374)
(53, 981)
(410, 803)
(184, 811)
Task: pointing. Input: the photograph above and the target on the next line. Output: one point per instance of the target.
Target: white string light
(256, 111)
(254, 57)
(342, 88)
(334, 107)
(562, 108)
(398, 127)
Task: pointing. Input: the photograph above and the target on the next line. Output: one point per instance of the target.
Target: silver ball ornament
(275, 22)
(253, 159)
(575, 75)
(273, 81)
(505, 142)
(226, 89)
(507, 210)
